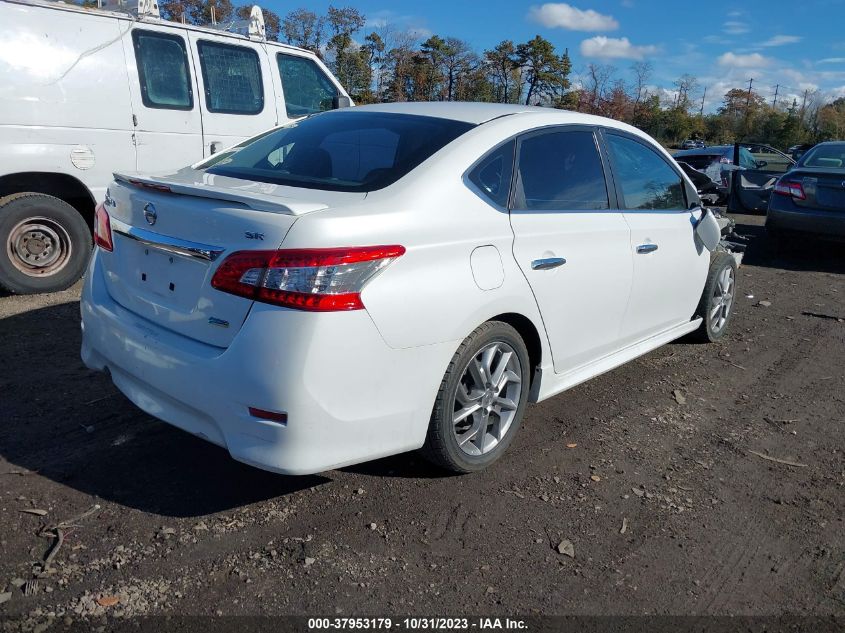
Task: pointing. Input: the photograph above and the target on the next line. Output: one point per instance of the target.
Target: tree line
(387, 63)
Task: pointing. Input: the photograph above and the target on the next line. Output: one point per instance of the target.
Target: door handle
(547, 263)
(642, 249)
(215, 146)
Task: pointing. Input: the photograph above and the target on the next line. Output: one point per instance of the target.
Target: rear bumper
(348, 396)
(826, 224)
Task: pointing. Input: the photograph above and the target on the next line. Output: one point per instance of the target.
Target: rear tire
(481, 400)
(44, 244)
(717, 302)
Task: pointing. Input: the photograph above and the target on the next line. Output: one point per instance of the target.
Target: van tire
(62, 237)
(442, 446)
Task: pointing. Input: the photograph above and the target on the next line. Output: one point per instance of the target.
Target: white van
(87, 92)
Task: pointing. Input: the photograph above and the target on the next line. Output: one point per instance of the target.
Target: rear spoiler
(253, 200)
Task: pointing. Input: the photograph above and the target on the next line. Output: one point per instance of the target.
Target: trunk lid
(170, 235)
(825, 189)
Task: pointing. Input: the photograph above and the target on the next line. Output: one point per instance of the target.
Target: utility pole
(748, 106)
(701, 112)
(775, 100)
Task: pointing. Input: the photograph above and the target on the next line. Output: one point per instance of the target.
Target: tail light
(790, 188)
(102, 228)
(320, 279)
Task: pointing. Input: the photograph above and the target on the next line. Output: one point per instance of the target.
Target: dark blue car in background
(810, 198)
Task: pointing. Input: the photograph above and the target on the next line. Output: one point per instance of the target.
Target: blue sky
(799, 45)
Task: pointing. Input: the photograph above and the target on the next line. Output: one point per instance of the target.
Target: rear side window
(493, 174)
(342, 150)
(829, 156)
(561, 171)
(232, 78)
(163, 70)
(306, 87)
(646, 179)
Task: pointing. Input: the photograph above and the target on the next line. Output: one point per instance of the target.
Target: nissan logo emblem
(150, 213)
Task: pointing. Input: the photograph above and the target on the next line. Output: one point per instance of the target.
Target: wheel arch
(62, 186)
(530, 336)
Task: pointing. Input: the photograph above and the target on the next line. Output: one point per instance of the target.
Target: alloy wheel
(723, 297)
(487, 398)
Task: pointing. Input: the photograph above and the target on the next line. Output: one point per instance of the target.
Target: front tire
(717, 301)
(481, 400)
(44, 244)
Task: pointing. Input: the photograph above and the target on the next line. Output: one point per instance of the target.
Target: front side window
(342, 150)
(646, 179)
(306, 88)
(561, 171)
(163, 70)
(493, 174)
(232, 78)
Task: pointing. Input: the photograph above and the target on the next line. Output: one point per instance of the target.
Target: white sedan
(387, 278)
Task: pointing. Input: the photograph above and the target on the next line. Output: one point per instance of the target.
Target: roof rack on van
(140, 8)
(251, 27)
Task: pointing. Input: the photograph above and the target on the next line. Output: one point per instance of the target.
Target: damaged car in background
(740, 177)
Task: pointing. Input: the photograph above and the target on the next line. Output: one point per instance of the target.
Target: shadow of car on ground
(72, 426)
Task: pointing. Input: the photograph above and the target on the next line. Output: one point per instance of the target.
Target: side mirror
(340, 101)
(708, 231)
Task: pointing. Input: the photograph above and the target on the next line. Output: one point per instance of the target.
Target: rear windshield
(831, 156)
(341, 151)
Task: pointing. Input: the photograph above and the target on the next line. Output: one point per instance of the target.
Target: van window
(163, 70)
(232, 78)
(306, 87)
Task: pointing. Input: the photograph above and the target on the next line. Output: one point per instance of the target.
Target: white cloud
(564, 16)
(780, 40)
(754, 60)
(615, 48)
(735, 27)
(420, 32)
(832, 60)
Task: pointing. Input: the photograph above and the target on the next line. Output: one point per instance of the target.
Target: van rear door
(165, 105)
(235, 95)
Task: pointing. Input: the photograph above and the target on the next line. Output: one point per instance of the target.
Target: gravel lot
(656, 473)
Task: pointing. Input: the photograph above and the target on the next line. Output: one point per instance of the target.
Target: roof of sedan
(476, 113)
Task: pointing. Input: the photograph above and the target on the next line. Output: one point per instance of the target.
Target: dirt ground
(656, 473)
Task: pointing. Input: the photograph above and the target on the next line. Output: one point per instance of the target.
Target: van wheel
(481, 400)
(44, 243)
(716, 306)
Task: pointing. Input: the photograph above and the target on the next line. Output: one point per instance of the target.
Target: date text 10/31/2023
(416, 623)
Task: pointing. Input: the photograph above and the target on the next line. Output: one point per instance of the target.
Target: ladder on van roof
(252, 27)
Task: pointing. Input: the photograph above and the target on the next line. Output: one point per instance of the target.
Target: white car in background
(376, 280)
